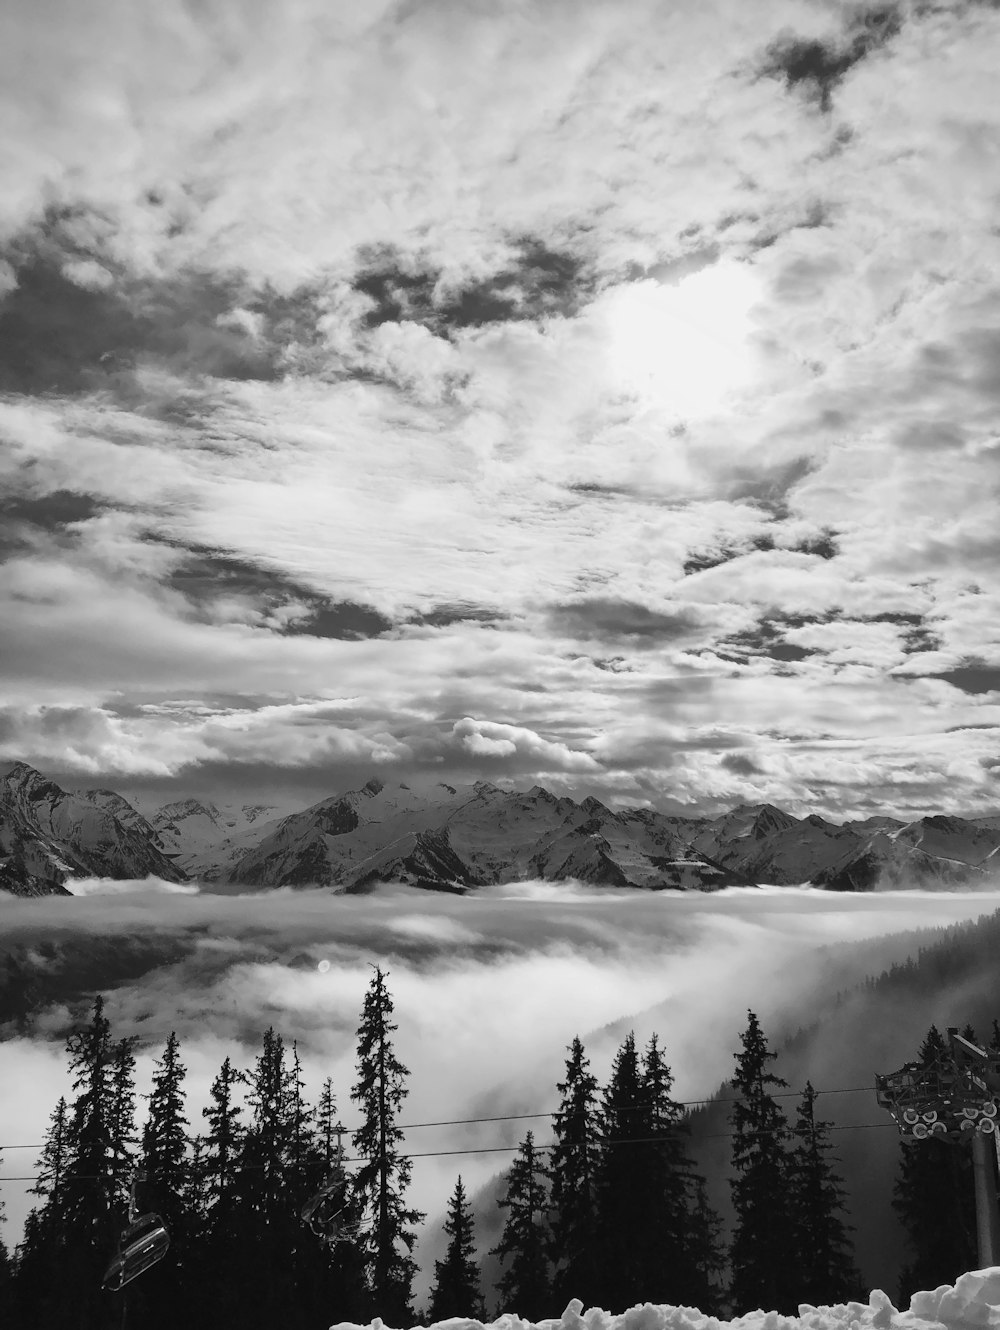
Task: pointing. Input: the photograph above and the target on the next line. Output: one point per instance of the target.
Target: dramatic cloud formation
(597, 394)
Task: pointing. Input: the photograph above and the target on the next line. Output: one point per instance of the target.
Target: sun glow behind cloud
(684, 348)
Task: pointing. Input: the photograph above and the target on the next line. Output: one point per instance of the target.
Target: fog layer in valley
(489, 989)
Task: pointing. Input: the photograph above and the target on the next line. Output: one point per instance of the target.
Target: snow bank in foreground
(973, 1303)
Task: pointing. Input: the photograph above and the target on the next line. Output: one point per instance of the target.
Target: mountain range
(458, 838)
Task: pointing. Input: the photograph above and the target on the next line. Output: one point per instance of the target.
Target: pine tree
(763, 1234)
(668, 1183)
(44, 1233)
(326, 1123)
(166, 1189)
(382, 1181)
(338, 1277)
(6, 1276)
(456, 1291)
(85, 1171)
(934, 1196)
(824, 1261)
(266, 1219)
(705, 1251)
(217, 1255)
(223, 1142)
(574, 1166)
(622, 1253)
(525, 1286)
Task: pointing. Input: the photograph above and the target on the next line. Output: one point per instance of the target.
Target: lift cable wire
(524, 1117)
(510, 1149)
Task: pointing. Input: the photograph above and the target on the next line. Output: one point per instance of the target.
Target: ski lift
(143, 1242)
(326, 1212)
(949, 1099)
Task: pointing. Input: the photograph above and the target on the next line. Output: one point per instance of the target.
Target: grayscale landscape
(498, 519)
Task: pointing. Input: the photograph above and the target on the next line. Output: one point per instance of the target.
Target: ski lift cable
(524, 1117)
(506, 1149)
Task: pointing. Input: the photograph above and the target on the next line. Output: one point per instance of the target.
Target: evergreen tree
(455, 1291)
(216, 1258)
(50, 1169)
(223, 1142)
(6, 1276)
(266, 1220)
(336, 1279)
(166, 1189)
(705, 1251)
(92, 1212)
(934, 1196)
(669, 1256)
(326, 1123)
(622, 1251)
(525, 1286)
(382, 1181)
(763, 1235)
(44, 1233)
(574, 1166)
(824, 1257)
(84, 1173)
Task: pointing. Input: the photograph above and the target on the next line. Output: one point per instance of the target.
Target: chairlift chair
(326, 1212)
(143, 1242)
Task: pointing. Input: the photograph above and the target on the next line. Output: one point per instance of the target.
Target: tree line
(613, 1211)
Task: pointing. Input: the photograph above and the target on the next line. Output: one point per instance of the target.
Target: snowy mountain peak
(49, 835)
(28, 783)
(540, 792)
(184, 808)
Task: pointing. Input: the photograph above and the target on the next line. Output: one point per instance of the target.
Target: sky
(597, 393)
(489, 991)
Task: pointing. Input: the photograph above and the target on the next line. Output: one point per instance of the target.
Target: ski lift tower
(955, 1098)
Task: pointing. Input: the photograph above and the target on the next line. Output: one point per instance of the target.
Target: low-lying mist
(488, 988)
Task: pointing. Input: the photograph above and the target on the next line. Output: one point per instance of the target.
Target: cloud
(434, 413)
(485, 738)
(105, 886)
(609, 620)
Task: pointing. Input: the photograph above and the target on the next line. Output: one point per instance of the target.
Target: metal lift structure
(955, 1099)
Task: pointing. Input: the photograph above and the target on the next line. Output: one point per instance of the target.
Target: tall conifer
(525, 1287)
(574, 1166)
(266, 1218)
(219, 1250)
(763, 1235)
(383, 1179)
(668, 1179)
(167, 1189)
(622, 1177)
(824, 1262)
(456, 1290)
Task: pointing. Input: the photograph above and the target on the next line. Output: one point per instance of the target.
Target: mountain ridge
(447, 837)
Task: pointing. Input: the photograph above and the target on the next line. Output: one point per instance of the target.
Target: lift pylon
(954, 1098)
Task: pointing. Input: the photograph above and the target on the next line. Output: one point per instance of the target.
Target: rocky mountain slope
(48, 836)
(471, 836)
(205, 840)
(459, 838)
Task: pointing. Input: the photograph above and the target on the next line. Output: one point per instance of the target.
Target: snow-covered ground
(973, 1303)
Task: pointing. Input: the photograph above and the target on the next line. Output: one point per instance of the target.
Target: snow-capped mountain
(930, 852)
(48, 836)
(205, 840)
(470, 836)
(458, 838)
(764, 844)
